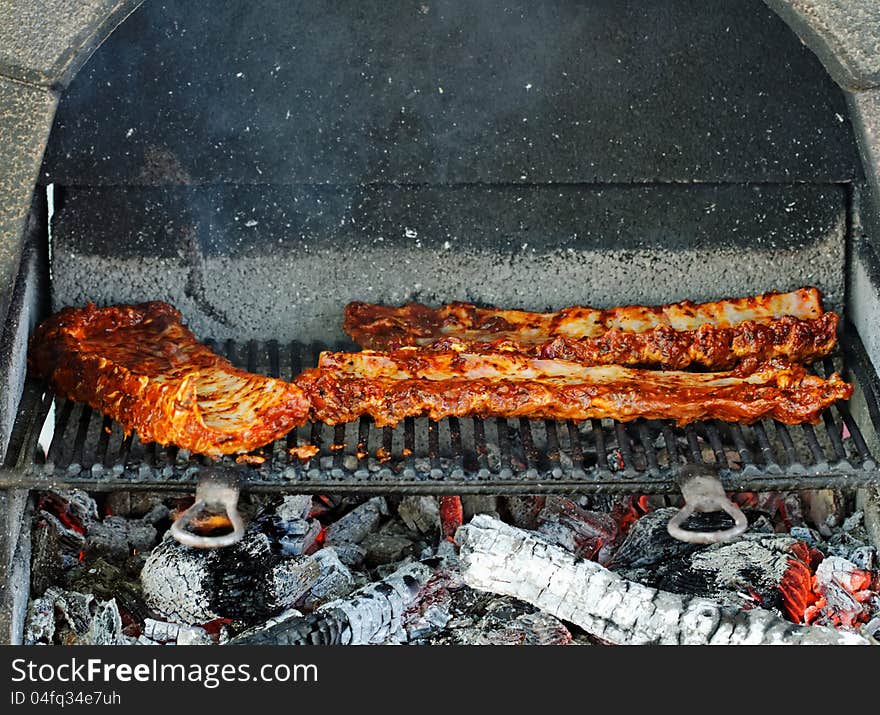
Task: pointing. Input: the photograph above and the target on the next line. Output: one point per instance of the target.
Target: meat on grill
(715, 335)
(389, 386)
(141, 366)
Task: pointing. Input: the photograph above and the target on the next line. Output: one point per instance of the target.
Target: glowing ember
(451, 516)
(796, 590)
(842, 592)
(628, 511)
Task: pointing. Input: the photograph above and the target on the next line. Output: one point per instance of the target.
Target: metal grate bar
(578, 459)
(599, 438)
(648, 447)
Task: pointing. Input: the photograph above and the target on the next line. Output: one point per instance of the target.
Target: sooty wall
(262, 164)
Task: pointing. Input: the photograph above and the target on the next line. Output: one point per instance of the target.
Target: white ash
(73, 618)
(583, 532)
(163, 633)
(421, 514)
(472, 504)
(289, 525)
(358, 523)
(846, 599)
(106, 626)
(40, 621)
(335, 581)
(376, 612)
(612, 608)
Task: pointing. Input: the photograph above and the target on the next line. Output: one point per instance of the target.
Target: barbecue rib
(411, 382)
(141, 366)
(713, 335)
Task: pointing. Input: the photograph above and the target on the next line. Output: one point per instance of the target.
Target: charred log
(502, 559)
(373, 614)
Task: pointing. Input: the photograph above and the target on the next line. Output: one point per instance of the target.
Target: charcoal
(809, 536)
(136, 505)
(585, 533)
(66, 540)
(40, 622)
(823, 509)
(288, 525)
(335, 580)
(294, 507)
(246, 581)
(741, 574)
(72, 618)
(386, 548)
(853, 521)
(79, 505)
(648, 542)
(117, 537)
(843, 543)
(48, 557)
(478, 504)
(75, 609)
(352, 555)
(300, 538)
(421, 514)
(608, 606)
(107, 581)
(523, 511)
(163, 632)
(477, 618)
(844, 595)
(375, 613)
(159, 512)
(360, 521)
(525, 629)
(432, 619)
(865, 557)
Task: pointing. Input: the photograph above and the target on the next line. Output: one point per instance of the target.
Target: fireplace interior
(264, 164)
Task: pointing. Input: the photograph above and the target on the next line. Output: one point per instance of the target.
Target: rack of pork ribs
(745, 360)
(582, 363)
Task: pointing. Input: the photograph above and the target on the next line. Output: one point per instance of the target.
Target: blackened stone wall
(265, 163)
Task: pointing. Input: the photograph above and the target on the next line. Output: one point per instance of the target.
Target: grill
(458, 456)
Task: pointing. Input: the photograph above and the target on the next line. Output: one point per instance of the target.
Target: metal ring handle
(704, 492)
(212, 491)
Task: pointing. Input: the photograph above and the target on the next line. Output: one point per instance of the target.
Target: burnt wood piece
(372, 614)
(246, 581)
(608, 606)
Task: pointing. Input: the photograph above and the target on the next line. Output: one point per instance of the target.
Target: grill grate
(493, 455)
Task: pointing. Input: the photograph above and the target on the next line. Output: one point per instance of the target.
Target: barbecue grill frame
(77, 458)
